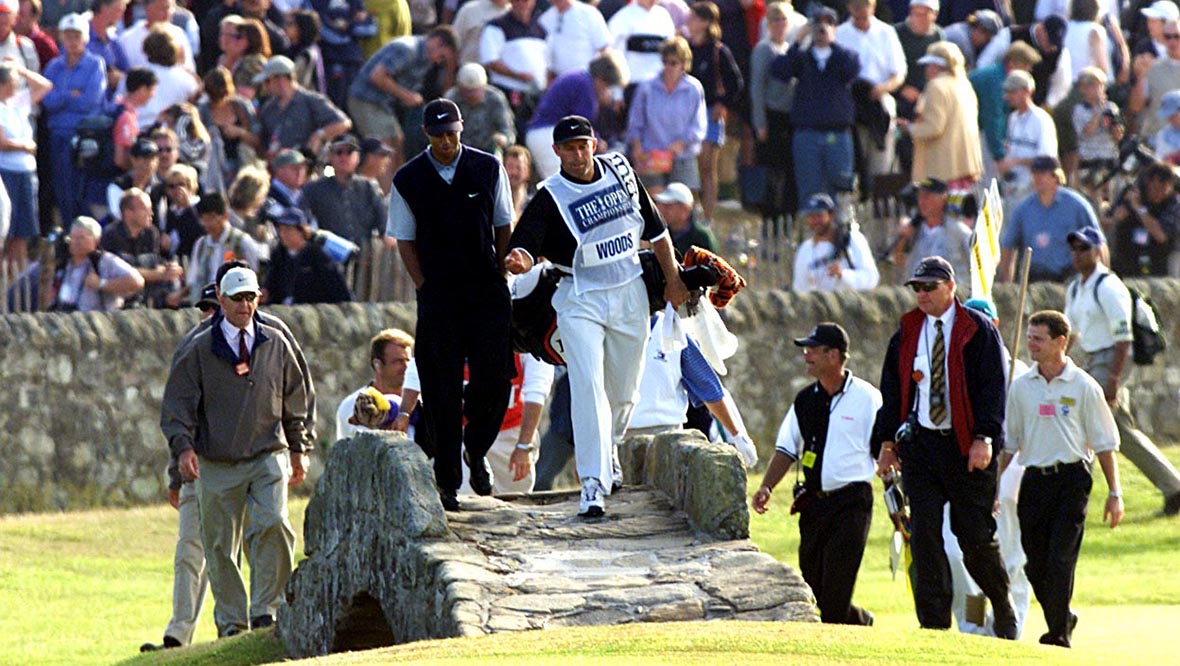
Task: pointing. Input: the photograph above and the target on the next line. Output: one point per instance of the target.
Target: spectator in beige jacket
(946, 132)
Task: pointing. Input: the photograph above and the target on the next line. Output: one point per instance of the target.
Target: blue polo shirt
(1044, 230)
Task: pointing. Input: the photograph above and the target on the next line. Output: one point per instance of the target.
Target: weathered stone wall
(768, 370)
(81, 421)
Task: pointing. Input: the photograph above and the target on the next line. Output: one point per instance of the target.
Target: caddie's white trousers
(604, 333)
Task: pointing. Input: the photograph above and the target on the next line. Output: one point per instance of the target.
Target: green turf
(88, 588)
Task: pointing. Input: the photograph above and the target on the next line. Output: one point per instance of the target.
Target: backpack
(92, 150)
(1147, 336)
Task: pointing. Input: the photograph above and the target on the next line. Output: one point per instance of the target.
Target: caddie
(588, 220)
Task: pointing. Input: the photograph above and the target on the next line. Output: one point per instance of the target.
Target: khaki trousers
(190, 580)
(227, 493)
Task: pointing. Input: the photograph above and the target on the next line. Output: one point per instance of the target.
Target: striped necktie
(938, 377)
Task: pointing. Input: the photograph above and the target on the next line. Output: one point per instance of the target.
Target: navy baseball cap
(291, 217)
(441, 116)
(818, 203)
(570, 128)
(825, 14)
(1045, 163)
(1090, 236)
(933, 269)
(1055, 30)
(826, 334)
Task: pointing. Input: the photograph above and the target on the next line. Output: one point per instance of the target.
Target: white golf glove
(746, 449)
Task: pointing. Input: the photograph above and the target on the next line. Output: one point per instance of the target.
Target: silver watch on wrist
(525, 446)
(985, 440)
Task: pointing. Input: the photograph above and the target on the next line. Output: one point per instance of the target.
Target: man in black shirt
(1145, 225)
(451, 212)
(137, 242)
(828, 429)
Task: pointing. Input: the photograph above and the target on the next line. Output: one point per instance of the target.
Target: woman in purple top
(572, 94)
(667, 121)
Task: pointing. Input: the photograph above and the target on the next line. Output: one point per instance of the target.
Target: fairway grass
(90, 587)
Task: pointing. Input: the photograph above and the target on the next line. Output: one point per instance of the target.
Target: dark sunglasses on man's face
(244, 296)
(206, 307)
(925, 286)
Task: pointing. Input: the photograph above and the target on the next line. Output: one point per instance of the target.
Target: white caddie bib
(604, 219)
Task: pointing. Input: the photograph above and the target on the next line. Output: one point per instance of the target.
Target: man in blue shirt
(1042, 222)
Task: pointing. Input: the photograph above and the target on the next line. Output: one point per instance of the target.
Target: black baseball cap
(932, 185)
(208, 296)
(826, 334)
(346, 141)
(1089, 236)
(933, 269)
(441, 116)
(144, 148)
(570, 128)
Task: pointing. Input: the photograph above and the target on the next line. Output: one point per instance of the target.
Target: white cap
(89, 224)
(929, 4)
(8, 7)
(76, 22)
(932, 60)
(239, 280)
(675, 193)
(1165, 10)
(471, 75)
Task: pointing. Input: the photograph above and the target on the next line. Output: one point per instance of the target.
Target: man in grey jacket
(233, 412)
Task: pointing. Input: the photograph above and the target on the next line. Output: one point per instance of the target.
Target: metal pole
(1019, 314)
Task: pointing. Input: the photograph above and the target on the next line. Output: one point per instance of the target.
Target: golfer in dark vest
(451, 213)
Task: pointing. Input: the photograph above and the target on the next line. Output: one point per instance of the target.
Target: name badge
(242, 369)
(809, 459)
(1140, 237)
(610, 250)
(1047, 409)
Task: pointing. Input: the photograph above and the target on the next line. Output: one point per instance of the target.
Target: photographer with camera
(828, 431)
(943, 391)
(932, 232)
(1143, 222)
(90, 279)
(837, 255)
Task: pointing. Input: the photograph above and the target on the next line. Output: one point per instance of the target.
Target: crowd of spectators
(286, 119)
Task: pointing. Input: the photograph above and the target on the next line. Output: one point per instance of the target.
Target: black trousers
(458, 329)
(1052, 512)
(935, 472)
(832, 535)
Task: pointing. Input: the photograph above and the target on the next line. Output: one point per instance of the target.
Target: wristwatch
(985, 440)
(525, 446)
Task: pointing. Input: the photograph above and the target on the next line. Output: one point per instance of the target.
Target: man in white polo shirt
(1100, 307)
(828, 431)
(1058, 421)
(1031, 133)
(638, 30)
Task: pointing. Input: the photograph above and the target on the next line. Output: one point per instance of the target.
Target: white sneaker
(591, 504)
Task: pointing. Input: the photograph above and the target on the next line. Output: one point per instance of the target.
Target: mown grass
(88, 588)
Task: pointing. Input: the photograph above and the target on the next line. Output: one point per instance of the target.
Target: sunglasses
(206, 307)
(925, 286)
(343, 151)
(164, 150)
(1171, 35)
(244, 296)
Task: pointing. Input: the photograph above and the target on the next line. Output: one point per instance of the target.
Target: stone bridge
(386, 565)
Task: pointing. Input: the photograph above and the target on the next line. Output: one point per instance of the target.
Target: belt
(938, 432)
(824, 494)
(1058, 468)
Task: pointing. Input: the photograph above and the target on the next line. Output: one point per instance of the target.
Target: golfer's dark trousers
(934, 473)
(833, 530)
(1052, 512)
(458, 327)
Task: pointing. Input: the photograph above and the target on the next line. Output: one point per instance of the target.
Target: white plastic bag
(671, 331)
(715, 340)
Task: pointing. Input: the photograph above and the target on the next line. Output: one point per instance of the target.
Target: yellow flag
(985, 247)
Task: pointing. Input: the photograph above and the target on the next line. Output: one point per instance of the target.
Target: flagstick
(1019, 315)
